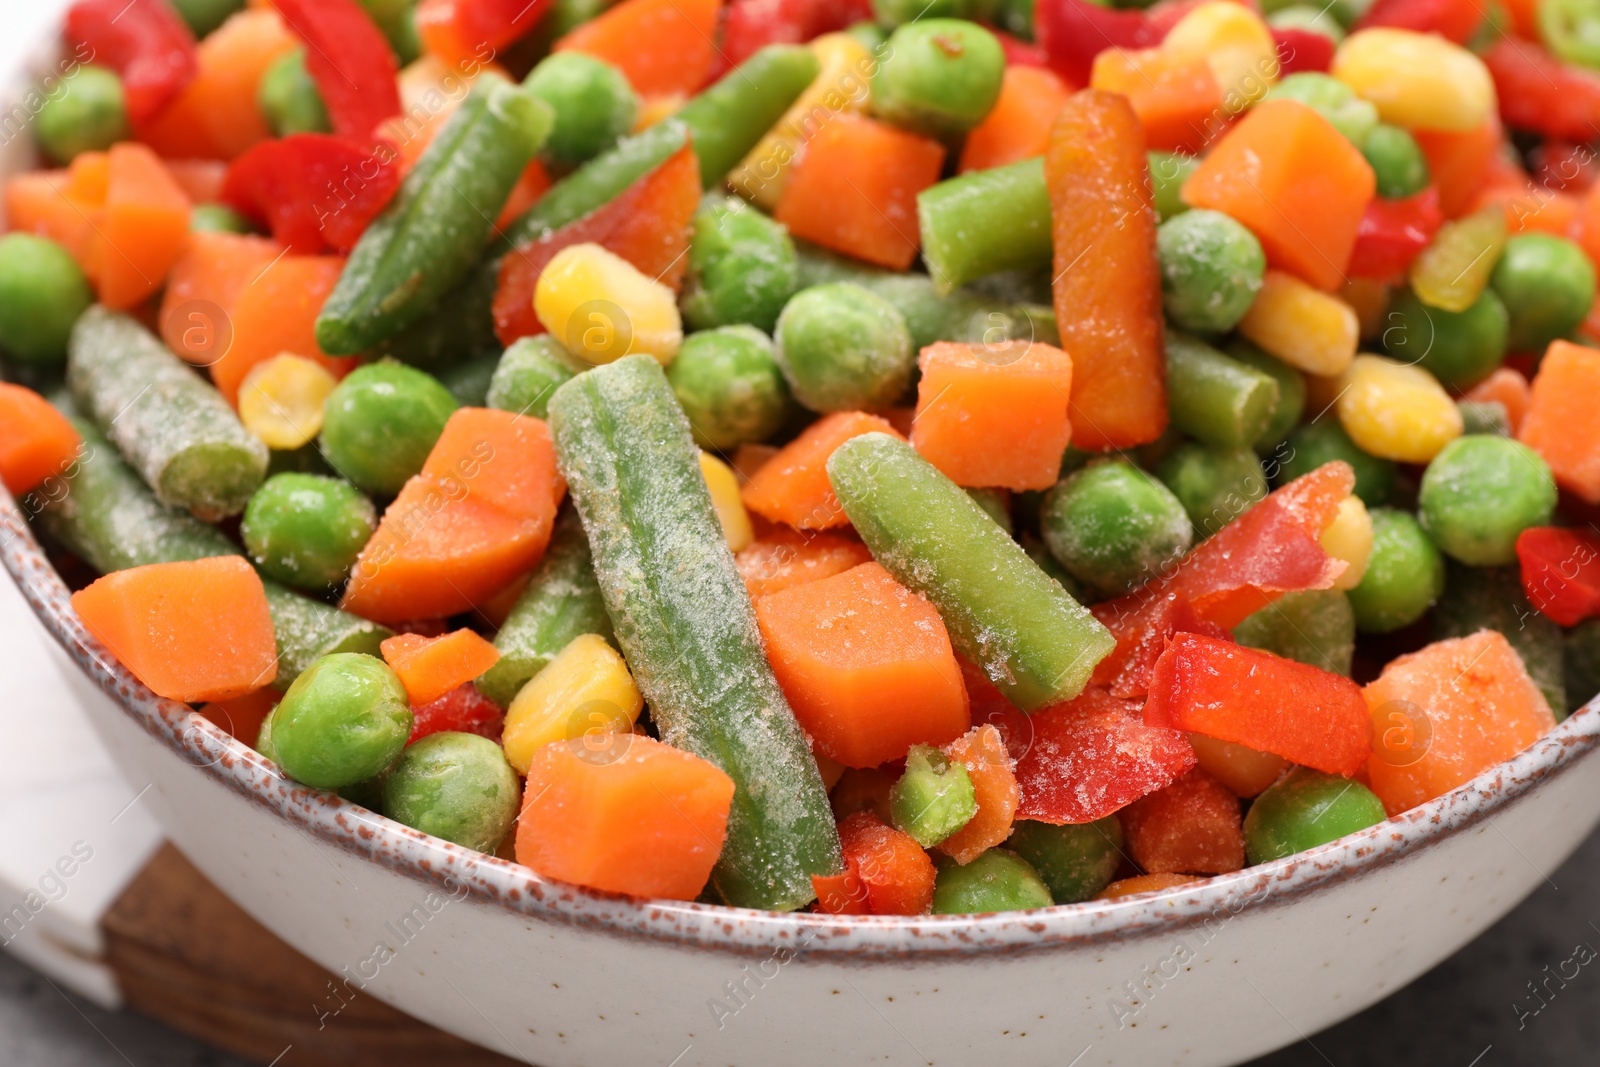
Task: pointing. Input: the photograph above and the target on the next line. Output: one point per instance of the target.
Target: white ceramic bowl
(560, 976)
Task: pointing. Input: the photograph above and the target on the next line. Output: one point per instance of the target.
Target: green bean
(397, 20)
(1291, 404)
(985, 222)
(727, 119)
(1484, 417)
(469, 380)
(933, 798)
(308, 630)
(995, 504)
(1213, 398)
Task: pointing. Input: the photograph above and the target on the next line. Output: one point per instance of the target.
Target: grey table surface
(1473, 1010)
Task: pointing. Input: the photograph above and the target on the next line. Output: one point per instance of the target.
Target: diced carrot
(429, 667)
(1463, 705)
(647, 225)
(89, 178)
(1107, 281)
(855, 187)
(1244, 770)
(533, 184)
(1176, 97)
(477, 518)
(1192, 826)
(217, 116)
(994, 416)
(1459, 162)
(793, 486)
(38, 442)
(276, 312)
(1295, 181)
(661, 46)
(1560, 423)
(634, 816)
(749, 458)
(1508, 388)
(195, 631)
(866, 664)
(1018, 126)
(56, 204)
(982, 751)
(1532, 208)
(242, 716)
(205, 283)
(784, 557)
(886, 872)
(1145, 883)
(145, 227)
(200, 179)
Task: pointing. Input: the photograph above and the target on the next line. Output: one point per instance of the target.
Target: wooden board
(188, 956)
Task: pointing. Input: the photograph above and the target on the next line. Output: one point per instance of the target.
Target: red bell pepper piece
(1073, 32)
(1082, 760)
(463, 710)
(460, 30)
(886, 872)
(1304, 714)
(1141, 623)
(1538, 92)
(1561, 572)
(147, 43)
(1393, 233)
(349, 59)
(1456, 19)
(749, 25)
(314, 191)
(1020, 53)
(647, 225)
(1302, 50)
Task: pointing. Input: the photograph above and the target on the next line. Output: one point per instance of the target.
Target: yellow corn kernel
(724, 486)
(1417, 80)
(1235, 43)
(1396, 411)
(846, 68)
(601, 307)
(1349, 537)
(1304, 327)
(586, 689)
(1452, 272)
(1370, 299)
(280, 400)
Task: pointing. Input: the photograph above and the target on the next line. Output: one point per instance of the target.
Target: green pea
(1457, 347)
(1324, 441)
(1039, 552)
(528, 373)
(1291, 404)
(455, 786)
(1168, 172)
(1114, 527)
(1214, 485)
(1211, 268)
(1580, 654)
(306, 530)
(342, 721)
(592, 101)
(89, 113)
(939, 76)
(997, 880)
(742, 267)
(1484, 416)
(1016, 18)
(1397, 162)
(380, 424)
(1303, 17)
(1479, 493)
(289, 99)
(1333, 100)
(842, 347)
(729, 384)
(933, 798)
(218, 218)
(203, 16)
(1404, 576)
(42, 294)
(1075, 861)
(1304, 809)
(264, 743)
(1316, 626)
(1548, 286)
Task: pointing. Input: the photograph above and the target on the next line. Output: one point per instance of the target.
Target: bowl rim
(324, 818)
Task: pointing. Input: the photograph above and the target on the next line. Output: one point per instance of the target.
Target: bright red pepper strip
(1073, 32)
(1538, 92)
(314, 191)
(1561, 572)
(1141, 626)
(463, 710)
(1456, 19)
(146, 43)
(1393, 233)
(349, 59)
(1302, 713)
(749, 25)
(455, 30)
(1302, 50)
(1020, 53)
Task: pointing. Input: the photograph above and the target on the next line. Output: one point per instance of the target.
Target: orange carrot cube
(1560, 423)
(793, 488)
(982, 751)
(429, 667)
(1018, 126)
(784, 558)
(38, 442)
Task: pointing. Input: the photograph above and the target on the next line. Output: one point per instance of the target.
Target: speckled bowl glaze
(560, 976)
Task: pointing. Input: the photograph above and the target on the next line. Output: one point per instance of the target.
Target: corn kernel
(281, 399)
(1397, 411)
(1349, 537)
(1304, 327)
(1236, 44)
(840, 87)
(585, 690)
(1370, 300)
(601, 307)
(1417, 80)
(1451, 273)
(724, 486)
